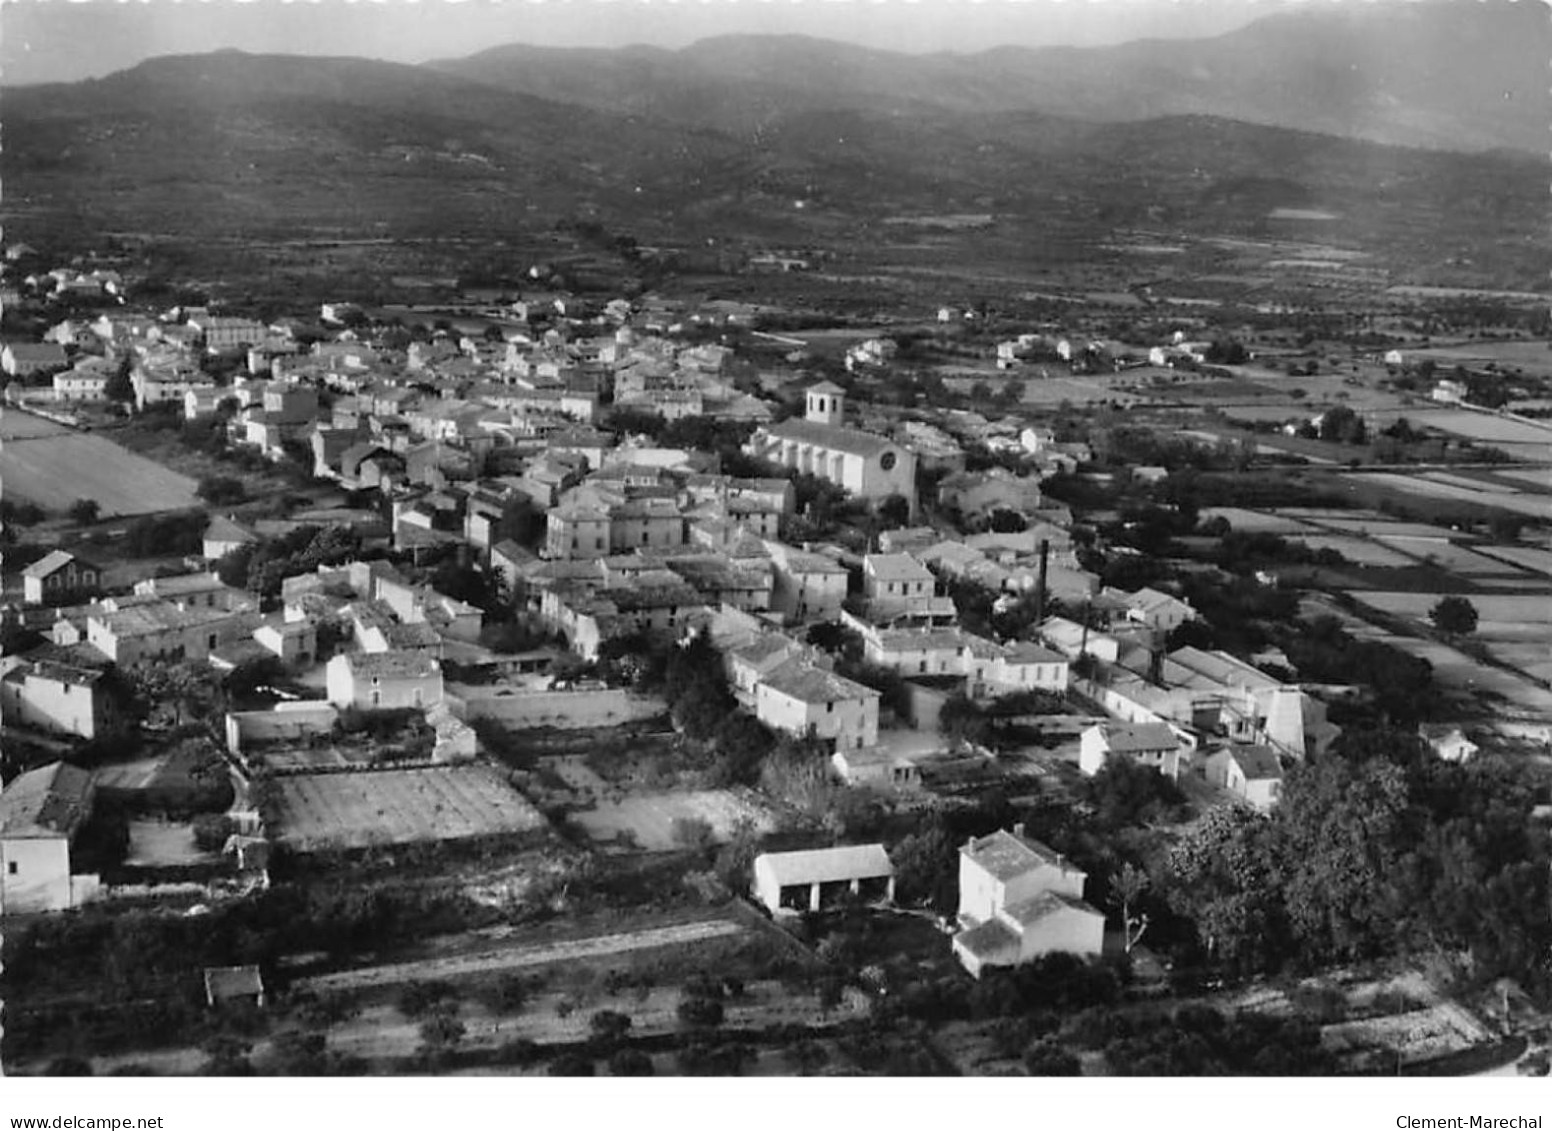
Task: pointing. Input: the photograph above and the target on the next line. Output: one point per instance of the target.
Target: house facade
(60, 578)
(41, 811)
(1155, 745)
(384, 681)
(1019, 900)
(801, 699)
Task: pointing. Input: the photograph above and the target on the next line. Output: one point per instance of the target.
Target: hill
(229, 149)
(1444, 75)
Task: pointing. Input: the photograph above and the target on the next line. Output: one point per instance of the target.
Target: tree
(1126, 888)
(700, 1012)
(926, 863)
(609, 1026)
(84, 512)
(1047, 1058)
(631, 1062)
(120, 386)
(894, 511)
(221, 490)
(442, 1032)
(570, 1064)
(1454, 616)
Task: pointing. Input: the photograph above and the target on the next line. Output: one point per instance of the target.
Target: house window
(377, 698)
(830, 708)
(11, 867)
(418, 696)
(923, 665)
(212, 643)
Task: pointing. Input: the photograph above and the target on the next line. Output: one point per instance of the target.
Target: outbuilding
(789, 882)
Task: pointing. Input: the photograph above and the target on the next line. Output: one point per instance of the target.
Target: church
(870, 467)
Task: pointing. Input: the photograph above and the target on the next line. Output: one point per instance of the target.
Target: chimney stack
(1045, 554)
(1018, 829)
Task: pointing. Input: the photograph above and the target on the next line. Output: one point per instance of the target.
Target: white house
(1251, 773)
(1449, 742)
(801, 699)
(60, 578)
(897, 584)
(55, 697)
(293, 641)
(224, 535)
(1018, 900)
(384, 680)
(1155, 745)
(822, 877)
(40, 813)
(1153, 609)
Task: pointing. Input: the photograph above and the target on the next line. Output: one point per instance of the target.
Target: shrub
(631, 1062)
(700, 1012)
(417, 999)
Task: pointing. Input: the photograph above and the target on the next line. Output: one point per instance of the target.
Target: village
(542, 683)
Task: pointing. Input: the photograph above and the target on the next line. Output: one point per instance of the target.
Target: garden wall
(563, 710)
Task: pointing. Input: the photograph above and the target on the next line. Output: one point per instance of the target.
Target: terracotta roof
(50, 801)
(991, 939)
(798, 679)
(831, 436)
(1136, 737)
(825, 865)
(1007, 855)
(1030, 911)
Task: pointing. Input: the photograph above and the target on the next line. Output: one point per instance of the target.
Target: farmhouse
(801, 699)
(868, 466)
(806, 585)
(384, 680)
(41, 811)
(56, 697)
(1018, 900)
(1150, 744)
(875, 766)
(814, 880)
(22, 359)
(1251, 773)
(224, 535)
(162, 630)
(60, 578)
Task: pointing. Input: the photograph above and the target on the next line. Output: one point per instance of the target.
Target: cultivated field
(1538, 560)
(163, 844)
(363, 809)
(1456, 559)
(1360, 551)
(1256, 522)
(53, 466)
(649, 818)
(1506, 618)
(1531, 506)
(1484, 426)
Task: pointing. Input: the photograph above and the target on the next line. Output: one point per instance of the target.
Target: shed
(233, 983)
(812, 880)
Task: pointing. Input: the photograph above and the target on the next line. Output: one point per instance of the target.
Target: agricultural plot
(1534, 507)
(1525, 557)
(1359, 551)
(1486, 427)
(1469, 483)
(55, 466)
(1456, 559)
(648, 819)
(163, 844)
(1500, 618)
(366, 809)
(1378, 526)
(1257, 522)
(1536, 477)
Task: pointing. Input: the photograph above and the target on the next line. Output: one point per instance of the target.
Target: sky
(66, 40)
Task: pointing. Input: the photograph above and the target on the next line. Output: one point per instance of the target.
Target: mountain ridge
(1389, 74)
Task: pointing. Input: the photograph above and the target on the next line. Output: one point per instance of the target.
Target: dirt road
(513, 958)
